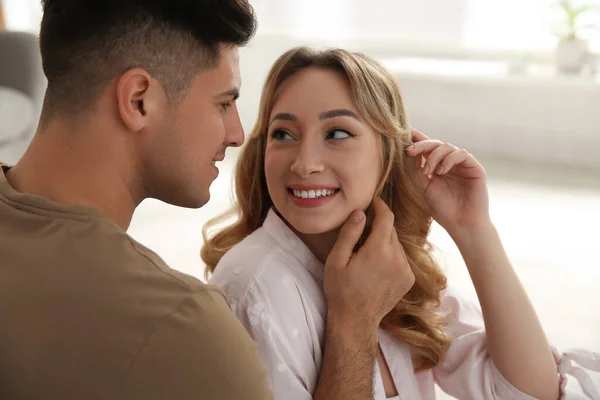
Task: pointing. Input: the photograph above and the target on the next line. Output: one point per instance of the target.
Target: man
(140, 104)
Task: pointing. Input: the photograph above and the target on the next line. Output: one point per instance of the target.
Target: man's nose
(234, 131)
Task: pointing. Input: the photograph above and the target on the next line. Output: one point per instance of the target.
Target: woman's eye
(280, 134)
(338, 134)
(225, 106)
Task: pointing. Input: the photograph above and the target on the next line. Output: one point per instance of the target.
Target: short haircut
(85, 44)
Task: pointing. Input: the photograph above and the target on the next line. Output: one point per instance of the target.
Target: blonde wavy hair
(416, 320)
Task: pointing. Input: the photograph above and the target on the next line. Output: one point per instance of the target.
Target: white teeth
(313, 194)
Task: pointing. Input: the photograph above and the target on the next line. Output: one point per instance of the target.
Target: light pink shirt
(274, 285)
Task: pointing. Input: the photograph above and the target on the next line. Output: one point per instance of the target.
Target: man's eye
(337, 134)
(280, 134)
(225, 106)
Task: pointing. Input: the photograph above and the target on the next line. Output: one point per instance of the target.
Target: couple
(340, 304)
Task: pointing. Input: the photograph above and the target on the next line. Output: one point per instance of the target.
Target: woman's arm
(455, 189)
(516, 341)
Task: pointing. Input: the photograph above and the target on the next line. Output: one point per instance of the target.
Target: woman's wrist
(479, 246)
(475, 234)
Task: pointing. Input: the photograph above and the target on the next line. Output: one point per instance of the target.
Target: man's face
(194, 134)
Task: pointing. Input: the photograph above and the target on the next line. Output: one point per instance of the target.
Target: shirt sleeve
(275, 317)
(575, 362)
(199, 351)
(467, 371)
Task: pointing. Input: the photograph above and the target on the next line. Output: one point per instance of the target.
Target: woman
(331, 137)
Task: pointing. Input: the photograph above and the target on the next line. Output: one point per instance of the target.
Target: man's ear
(137, 94)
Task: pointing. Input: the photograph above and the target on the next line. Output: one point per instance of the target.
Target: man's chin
(193, 202)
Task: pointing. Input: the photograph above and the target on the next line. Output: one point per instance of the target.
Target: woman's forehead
(313, 92)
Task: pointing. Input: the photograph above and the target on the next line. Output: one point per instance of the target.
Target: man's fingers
(347, 238)
(383, 225)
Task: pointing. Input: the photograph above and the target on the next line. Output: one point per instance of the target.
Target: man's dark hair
(87, 43)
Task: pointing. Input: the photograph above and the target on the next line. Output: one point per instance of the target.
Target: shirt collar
(292, 245)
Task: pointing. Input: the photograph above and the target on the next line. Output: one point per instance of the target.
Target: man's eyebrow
(338, 113)
(285, 117)
(235, 93)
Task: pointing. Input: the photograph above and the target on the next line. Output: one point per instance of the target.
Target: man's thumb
(347, 238)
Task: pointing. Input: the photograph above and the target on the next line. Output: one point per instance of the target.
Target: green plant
(572, 27)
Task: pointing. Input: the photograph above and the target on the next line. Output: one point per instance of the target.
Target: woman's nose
(308, 160)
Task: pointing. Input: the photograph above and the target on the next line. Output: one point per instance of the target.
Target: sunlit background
(505, 79)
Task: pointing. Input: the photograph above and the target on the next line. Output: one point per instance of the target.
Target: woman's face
(322, 160)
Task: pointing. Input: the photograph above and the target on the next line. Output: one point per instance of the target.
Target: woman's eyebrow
(326, 115)
(338, 113)
(284, 117)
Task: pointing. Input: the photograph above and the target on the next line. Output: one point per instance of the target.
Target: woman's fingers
(436, 157)
(458, 157)
(424, 147)
(418, 136)
(423, 179)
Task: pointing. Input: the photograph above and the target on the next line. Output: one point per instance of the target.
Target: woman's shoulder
(256, 260)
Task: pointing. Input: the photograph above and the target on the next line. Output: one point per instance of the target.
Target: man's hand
(362, 287)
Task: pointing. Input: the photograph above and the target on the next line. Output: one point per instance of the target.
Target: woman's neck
(319, 244)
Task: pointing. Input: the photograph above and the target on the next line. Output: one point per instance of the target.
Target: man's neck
(78, 172)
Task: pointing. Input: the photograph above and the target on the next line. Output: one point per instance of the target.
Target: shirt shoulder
(119, 253)
(207, 351)
(257, 260)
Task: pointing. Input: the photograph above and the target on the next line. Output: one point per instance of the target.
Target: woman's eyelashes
(338, 133)
(280, 134)
(333, 134)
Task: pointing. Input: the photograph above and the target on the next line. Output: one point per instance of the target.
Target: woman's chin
(313, 227)
(312, 231)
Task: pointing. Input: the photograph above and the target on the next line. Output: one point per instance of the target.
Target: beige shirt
(88, 313)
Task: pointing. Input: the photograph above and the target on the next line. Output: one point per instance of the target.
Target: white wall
(22, 15)
(439, 24)
(547, 120)
(540, 117)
